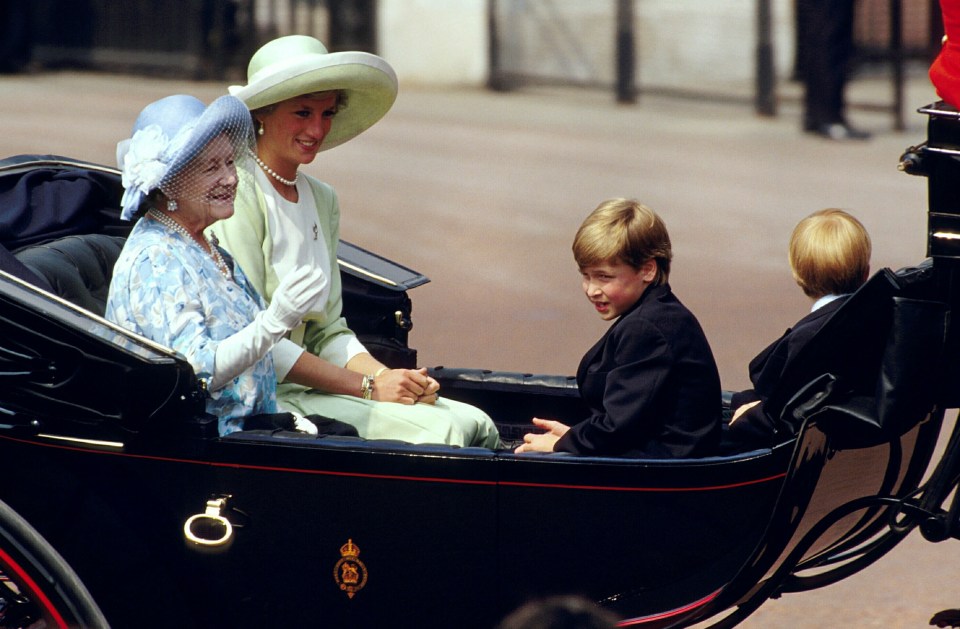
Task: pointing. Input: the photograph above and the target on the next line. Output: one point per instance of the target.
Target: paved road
(482, 192)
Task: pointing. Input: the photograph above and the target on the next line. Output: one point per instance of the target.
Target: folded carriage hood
(63, 367)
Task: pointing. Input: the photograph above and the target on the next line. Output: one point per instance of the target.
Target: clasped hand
(406, 386)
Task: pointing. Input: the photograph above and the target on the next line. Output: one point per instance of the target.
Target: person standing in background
(824, 47)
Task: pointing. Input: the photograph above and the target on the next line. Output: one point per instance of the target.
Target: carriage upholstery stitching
(78, 268)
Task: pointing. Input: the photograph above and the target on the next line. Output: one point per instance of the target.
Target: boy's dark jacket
(756, 427)
(651, 384)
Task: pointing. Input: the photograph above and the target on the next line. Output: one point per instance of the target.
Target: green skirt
(448, 421)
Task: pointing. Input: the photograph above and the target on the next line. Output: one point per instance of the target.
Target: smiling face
(613, 287)
(207, 186)
(294, 129)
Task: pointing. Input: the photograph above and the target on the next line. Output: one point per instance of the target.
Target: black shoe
(839, 131)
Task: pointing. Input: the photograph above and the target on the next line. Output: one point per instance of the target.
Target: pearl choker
(273, 173)
(168, 222)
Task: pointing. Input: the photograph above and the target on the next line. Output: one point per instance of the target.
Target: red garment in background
(945, 70)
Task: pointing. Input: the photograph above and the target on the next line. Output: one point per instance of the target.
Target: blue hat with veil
(168, 134)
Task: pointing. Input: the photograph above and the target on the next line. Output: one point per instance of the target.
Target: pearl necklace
(273, 173)
(168, 222)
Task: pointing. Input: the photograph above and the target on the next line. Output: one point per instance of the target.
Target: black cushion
(78, 268)
(10, 264)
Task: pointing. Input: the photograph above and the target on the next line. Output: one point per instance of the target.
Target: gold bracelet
(380, 371)
(366, 387)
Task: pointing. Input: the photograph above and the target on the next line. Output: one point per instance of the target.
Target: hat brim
(225, 114)
(368, 81)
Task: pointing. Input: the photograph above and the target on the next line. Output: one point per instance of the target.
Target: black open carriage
(124, 507)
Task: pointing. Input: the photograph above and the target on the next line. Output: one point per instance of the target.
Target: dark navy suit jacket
(651, 384)
(767, 368)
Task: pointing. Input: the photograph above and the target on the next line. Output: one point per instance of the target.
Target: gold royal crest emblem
(350, 573)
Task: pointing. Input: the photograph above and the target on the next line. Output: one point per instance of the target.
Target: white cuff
(285, 354)
(341, 349)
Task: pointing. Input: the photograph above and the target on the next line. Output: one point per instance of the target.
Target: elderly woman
(180, 171)
(304, 100)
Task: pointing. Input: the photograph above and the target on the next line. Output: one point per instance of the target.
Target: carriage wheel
(38, 589)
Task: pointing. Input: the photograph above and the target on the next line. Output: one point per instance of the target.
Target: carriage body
(110, 457)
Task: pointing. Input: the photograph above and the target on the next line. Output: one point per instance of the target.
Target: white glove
(294, 297)
(304, 425)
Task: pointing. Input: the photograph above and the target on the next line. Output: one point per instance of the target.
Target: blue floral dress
(167, 288)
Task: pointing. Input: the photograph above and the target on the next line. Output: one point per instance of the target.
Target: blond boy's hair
(624, 230)
(829, 253)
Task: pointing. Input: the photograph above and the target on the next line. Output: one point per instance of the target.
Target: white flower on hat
(143, 165)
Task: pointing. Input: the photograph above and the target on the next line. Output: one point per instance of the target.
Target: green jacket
(245, 236)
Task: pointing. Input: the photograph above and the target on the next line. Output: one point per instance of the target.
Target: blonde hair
(624, 230)
(829, 253)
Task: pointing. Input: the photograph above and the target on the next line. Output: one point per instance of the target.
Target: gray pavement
(482, 192)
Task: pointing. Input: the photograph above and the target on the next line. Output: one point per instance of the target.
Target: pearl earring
(260, 129)
(171, 206)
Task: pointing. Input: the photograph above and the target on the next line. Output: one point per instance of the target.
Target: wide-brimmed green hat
(297, 64)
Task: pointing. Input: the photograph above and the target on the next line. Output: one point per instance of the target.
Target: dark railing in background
(894, 33)
(197, 39)
(765, 96)
(626, 55)
(889, 34)
(213, 39)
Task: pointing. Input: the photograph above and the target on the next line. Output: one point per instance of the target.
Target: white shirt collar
(823, 301)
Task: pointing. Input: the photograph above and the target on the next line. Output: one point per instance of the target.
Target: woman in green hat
(304, 100)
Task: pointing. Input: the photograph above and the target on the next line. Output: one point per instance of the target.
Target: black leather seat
(871, 373)
(78, 268)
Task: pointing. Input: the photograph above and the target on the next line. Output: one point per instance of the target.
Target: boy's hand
(542, 442)
(742, 409)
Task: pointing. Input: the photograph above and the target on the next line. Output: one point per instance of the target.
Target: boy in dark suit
(651, 382)
(830, 259)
